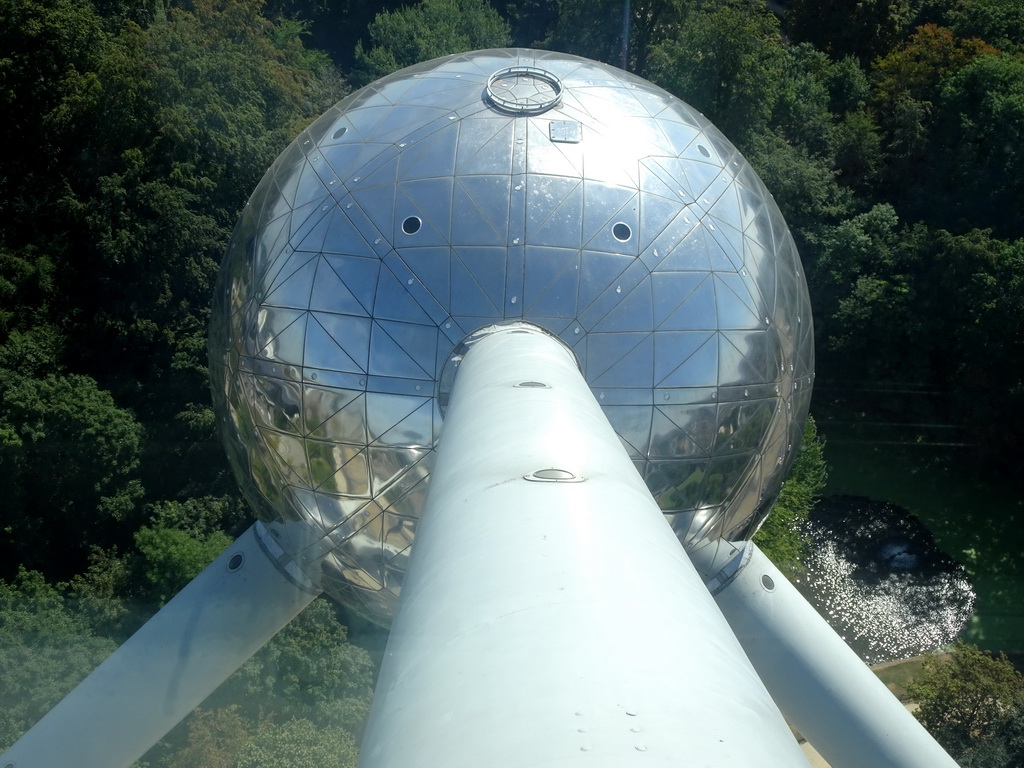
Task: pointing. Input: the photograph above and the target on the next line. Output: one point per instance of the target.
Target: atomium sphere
(487, 187)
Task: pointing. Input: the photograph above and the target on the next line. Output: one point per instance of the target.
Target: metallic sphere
(487, 187)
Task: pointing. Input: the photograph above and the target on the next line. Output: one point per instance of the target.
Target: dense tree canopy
(969, 698)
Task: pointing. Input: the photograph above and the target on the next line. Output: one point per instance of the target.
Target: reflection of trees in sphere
(492, 186)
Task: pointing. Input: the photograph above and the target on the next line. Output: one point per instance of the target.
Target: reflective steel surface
(490, 186)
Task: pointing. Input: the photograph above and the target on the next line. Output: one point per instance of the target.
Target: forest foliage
(891, 133)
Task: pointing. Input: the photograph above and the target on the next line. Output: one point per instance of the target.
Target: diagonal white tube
(169, 666)
(821, 685)
(556, 620)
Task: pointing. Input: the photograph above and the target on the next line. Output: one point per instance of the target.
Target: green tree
(998, 22)
(68, 461)
(805, 186)
(865, 278)
(171, 558)
(214, 738)
(964, 699)
(861, 28)
(1004, 748)
(45, 650)
(203, 515)
(430, 29)
(981, 129)
(596, 29)
(725, 61)
(780, 537)
(309, 671)
(299, 743)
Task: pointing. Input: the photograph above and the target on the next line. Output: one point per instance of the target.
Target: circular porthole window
(412, 225)
(236, 561)
(622, 232)
(340, 132)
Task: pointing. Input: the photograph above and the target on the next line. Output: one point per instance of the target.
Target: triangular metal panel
(431, 267)
(673, 350)
(485, 147)
(620, 360)
(674, 234)
(294, 283)
(414, 431)
(605, 279)
(338, 468)
(382, 173)
(402, 120)
(277, 403)
(478, 282)
(656, 180)
(696, 310)
(310, 187)
(366, 118)
(668, 441)
(699, 369)
(290, 451)
(632, 313)
(721, 255)
(742, 426)
(284, 263)
(417, 225)
(603, 205)
(348, 162)
(551, 281)
(544, 156)
(681, 134)
(724, 474)
(335, 510)
(481, 205)
(762, 271)
(403, 350)
(410, 497)
(553, 206)
(306, 218)
(399, 531)
(337, 342)
(672, 172)
(345, 285)
(431, 157)
(393, 261)
(433, 198)
(671, 290)
(633, 426)
(335, 414)
(378, 204)
(676, 483)
(697, 421)
(734, 366)
(393, 299)
(691, 253)
(281, 334)
(731, 242)
(389, 465)
(268, 246)
(656, 214)
(733, 302)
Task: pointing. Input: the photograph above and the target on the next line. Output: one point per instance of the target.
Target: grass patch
(895, 675)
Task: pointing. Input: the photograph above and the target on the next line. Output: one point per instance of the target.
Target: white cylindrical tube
(549, 615)
(821, 685)
(169, 666)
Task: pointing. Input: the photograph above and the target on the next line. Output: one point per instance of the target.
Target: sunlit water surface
(878, 577)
